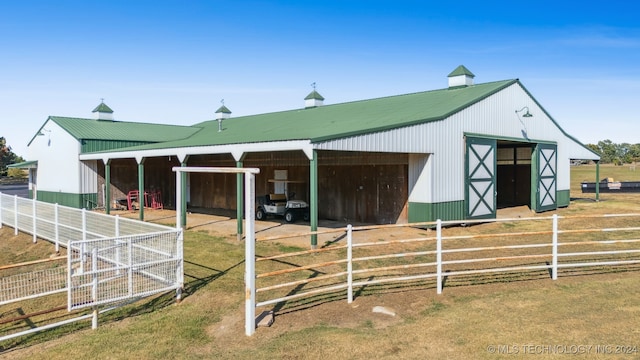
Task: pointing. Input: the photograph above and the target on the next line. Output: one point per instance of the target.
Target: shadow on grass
(197, 283)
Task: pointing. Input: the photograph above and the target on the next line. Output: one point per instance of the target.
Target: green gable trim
(450, 210)
(554, 121)
(78, 201)
(511, 139)
(461, 70)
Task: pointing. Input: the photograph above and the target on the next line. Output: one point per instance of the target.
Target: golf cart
(278, 204)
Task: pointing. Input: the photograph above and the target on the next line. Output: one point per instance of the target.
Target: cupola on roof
(461, 76)
(314, 99)
(103, 112)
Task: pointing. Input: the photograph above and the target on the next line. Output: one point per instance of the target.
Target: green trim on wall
(79, 201)
(563, 198)
(451, 210)
(508, 138)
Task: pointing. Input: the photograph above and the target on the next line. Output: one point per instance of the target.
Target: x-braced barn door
(546, 162)
(480, 173)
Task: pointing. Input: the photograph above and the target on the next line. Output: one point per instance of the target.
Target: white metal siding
(89, 177)
(494, 116)
(57, 153)
(419, 178)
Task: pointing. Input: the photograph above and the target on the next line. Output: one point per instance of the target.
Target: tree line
(7, 157)
(618, 154)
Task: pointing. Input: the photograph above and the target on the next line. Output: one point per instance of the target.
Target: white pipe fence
(110, 259)
(286, 277)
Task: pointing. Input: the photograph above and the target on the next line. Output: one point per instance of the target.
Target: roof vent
(461, 76)
(103, 112)
(221, 114)
(314, 99)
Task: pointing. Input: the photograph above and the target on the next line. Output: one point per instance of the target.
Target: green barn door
(545, 172)
(480, 175)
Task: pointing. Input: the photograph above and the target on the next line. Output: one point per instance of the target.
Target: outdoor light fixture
(526, 114)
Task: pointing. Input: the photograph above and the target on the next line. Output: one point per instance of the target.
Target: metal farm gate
(105, 271)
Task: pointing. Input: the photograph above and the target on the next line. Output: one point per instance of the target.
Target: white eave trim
(237, 150)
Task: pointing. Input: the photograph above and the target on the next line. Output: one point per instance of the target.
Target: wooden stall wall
(363, 187)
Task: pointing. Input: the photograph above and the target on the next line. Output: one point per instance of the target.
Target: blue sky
(173, 61)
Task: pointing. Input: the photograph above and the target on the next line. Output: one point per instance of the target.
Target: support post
(183, 193)
(56, 225)
(313, 191)
(141, 194)
(597, 180)
(107, 187)
(179, 202)
(239, 200)
(33, 224)
(250, 255)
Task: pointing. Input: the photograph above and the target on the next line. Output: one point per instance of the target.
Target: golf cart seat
(277, 199)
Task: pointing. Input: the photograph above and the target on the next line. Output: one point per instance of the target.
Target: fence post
(439, 255)
(33, 205)
(180, 267)
(554, 249)
(1, 220)
(56, 226)
(250, 255)
(130, 265)
(69, 273)
(94, 287)
(349, 264)
(117, 235)
(15, 213)
(84, 224)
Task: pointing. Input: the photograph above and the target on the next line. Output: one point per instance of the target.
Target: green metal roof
(91, 129)
(338, 121)
(24, 165)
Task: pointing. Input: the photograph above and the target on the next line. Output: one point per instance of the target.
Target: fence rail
(109, 259)
(542, 245)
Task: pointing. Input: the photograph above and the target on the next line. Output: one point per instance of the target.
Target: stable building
(460, 152)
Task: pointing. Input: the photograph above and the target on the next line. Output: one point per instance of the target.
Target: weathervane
(313, 85)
